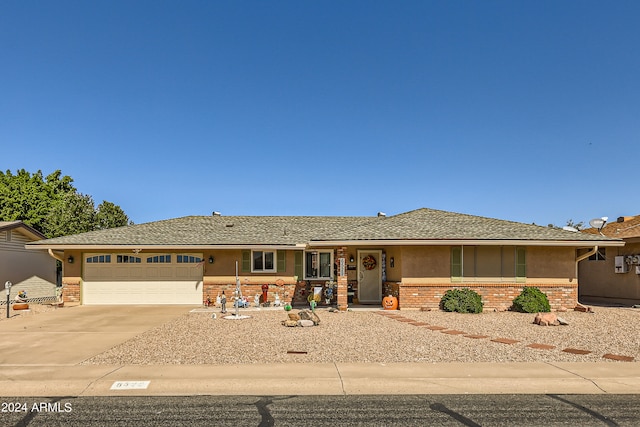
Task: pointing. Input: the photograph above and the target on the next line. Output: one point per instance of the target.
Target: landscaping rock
(305, 323)
(583, 308)
(294, 316)
(290, 323)
(546, 319)
(309, 315)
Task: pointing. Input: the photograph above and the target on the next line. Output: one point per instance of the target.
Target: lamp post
(7, 288)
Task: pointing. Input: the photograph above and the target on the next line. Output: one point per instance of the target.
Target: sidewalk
(321, 379)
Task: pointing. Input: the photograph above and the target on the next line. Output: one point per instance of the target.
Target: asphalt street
(363, 410)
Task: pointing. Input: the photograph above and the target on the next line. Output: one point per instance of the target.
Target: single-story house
(612, 275)
(416, 256)
(33, 272)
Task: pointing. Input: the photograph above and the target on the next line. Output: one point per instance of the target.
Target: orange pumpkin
(390, 303)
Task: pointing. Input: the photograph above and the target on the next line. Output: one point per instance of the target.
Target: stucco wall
(551, 265)
(425, 264)
(599, 283)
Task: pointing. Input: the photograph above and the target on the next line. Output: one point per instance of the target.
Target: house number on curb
(130, 385)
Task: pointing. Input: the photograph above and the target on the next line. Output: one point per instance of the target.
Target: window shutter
(297, 264)
(456, 263)
(521, 265)
(246, 261)
(282, 264)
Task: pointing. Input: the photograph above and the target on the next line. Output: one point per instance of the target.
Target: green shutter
(456, 263)
(282, 258)
(297, 264)
(246, 261)
(521, 265)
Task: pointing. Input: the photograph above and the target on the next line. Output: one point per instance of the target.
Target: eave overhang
(97, 247)
(470, 242)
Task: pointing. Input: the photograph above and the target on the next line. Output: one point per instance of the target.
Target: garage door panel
(156, 282)
(142, 292)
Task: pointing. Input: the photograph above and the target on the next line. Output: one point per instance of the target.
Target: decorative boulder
(290, 323)
(305, 323)
(583, 308)
(546, 319)
(294, 316)
(309, 315)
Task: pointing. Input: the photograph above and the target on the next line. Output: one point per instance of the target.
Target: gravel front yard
(368, 336)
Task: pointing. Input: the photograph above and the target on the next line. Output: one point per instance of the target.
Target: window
(189, 259)
(488, 264)
(317, 264)
(128, 259)
(159, 259)
(599, 255)
(263, 261)
(102, 259)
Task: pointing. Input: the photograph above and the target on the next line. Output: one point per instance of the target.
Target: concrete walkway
(41, 355)
(321, 379)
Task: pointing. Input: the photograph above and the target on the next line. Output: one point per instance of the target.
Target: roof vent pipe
(381, 214)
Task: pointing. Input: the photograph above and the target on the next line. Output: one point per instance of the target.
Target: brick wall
(286, 292)
(493, 295)
(342, 298)
(71, 292)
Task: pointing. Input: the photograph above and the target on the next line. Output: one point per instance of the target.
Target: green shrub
(461, 301)
(531, 300)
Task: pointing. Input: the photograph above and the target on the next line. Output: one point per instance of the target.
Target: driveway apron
(70, 335)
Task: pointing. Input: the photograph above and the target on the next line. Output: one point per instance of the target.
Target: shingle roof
(421, 224)
(216, 230)
(431, 224)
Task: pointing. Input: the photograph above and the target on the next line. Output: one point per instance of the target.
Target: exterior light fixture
(70, 259)
(211, 259)
(351, 259)
(392, 262)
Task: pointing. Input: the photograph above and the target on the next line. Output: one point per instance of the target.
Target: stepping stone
(404, 319)
(476, 337)
(453, 332)
(576, 351)
(505, 341)
(541, 346)
(436, 328)
(419, 324)
(618, 357)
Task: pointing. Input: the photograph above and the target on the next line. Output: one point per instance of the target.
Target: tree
(52, 205)
(75, 213)
(578, 226)
(110, 216)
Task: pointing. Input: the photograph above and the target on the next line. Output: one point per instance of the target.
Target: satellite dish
(598, 222)
(567, 228)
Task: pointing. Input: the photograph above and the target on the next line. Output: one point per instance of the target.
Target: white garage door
(142, 279)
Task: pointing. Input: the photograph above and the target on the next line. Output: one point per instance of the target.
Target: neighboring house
(34, 272)
(612, 275)
(417, 255)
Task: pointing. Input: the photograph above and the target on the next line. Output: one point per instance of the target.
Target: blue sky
(519, 110)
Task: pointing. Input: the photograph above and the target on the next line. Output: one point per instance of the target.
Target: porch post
(342, 278)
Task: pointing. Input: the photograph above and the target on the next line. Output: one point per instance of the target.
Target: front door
(369, 277)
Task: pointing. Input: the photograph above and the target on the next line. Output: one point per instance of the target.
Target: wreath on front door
(369, 262)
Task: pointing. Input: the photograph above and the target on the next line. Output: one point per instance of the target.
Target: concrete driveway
(70, 335)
